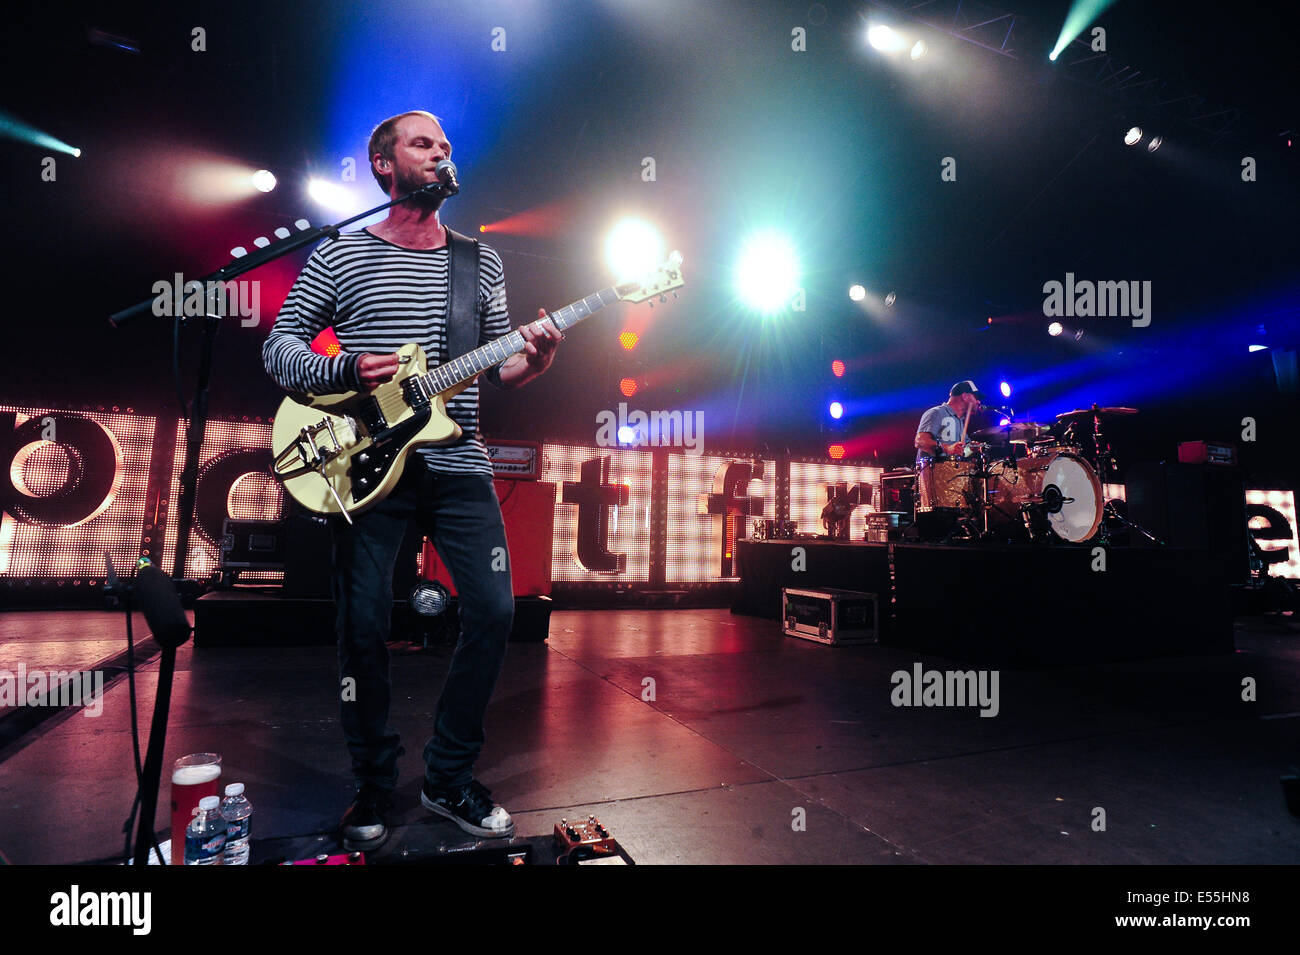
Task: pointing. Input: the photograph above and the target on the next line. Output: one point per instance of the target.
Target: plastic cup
(193, 777)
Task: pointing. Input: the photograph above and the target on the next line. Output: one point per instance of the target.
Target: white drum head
(1080, 513)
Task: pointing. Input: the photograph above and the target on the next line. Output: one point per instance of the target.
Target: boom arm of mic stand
(247, 263)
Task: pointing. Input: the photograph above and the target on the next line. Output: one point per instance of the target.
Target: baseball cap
(966, 388)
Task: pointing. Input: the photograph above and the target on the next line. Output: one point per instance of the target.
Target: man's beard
(427, 201)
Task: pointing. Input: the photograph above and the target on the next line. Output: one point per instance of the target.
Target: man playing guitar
(380, 288)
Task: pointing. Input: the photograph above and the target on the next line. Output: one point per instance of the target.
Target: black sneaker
(471, 807)
(363, 826)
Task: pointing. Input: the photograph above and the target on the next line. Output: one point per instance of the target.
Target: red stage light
(327, 344)
(837, 368)
(836, 451)
(628, 340)
(627, 386)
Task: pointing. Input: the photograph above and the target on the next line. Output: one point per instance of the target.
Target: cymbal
(1094, 410)
(1015, 431)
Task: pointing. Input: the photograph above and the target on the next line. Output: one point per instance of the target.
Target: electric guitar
(344, 453)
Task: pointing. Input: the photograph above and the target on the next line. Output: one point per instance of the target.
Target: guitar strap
(462, 296)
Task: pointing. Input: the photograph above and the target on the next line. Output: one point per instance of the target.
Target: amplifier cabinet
(528, 509)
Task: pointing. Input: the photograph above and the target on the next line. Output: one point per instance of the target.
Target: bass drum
(1059, 488)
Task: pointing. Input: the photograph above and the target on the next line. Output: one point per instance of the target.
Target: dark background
(838, 146)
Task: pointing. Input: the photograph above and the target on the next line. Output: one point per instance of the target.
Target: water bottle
(205, 836)
(237, 811)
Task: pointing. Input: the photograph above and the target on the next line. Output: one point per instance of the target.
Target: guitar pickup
(416, 398)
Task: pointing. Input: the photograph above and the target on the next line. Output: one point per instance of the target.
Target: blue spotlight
(767, 272)
(11, 127)
(1256, 347)
(1005, 388)
(837, 410)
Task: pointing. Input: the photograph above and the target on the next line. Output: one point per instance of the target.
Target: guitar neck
(484, 357)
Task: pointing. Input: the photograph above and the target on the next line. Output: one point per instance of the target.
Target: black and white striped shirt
(379, 296)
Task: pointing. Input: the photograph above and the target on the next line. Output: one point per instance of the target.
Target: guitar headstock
(665, 279)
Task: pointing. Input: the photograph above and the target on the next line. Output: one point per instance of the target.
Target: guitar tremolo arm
(311, 456)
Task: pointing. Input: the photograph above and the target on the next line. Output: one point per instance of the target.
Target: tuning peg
(663, 298)
(652, 303)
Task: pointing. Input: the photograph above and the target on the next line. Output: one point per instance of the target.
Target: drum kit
(1021, 481)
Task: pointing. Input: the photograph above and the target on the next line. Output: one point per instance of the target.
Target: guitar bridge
(311, 452)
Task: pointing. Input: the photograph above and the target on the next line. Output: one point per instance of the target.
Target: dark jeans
(461, 515)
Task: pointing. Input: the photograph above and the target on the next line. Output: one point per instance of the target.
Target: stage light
(1256, 347)
(1004, 421)
(837, 410)
(263, 180)
(628, 387)
(634, 248)
(76, 153)
(14, 128)
(1081, 13)
(767, 272)
(1055, 329)
(429, 598)
(329, 195)
(628, 340)
(857, 293)
(837, 368)
(919, 49)
(1155, 143)
(1005, 388)
(890, 299)
(884, 39)
(1133, 136)
(626, 435)
(836, 451)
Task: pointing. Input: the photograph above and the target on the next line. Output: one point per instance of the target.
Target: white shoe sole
(469, 827)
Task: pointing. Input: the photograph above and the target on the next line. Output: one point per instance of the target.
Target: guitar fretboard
(485, 356)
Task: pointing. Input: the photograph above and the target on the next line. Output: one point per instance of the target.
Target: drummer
(940, 430)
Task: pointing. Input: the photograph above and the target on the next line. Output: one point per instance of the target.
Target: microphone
(156, 595)
(446, 173)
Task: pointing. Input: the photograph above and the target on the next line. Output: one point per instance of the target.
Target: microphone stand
(197, 428)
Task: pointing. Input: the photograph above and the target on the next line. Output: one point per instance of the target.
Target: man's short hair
(384, 137)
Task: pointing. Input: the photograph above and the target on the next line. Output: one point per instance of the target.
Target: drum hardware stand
(1107, 467)
(1110, 510)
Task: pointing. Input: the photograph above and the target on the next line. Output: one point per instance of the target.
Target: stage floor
(746, 728)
